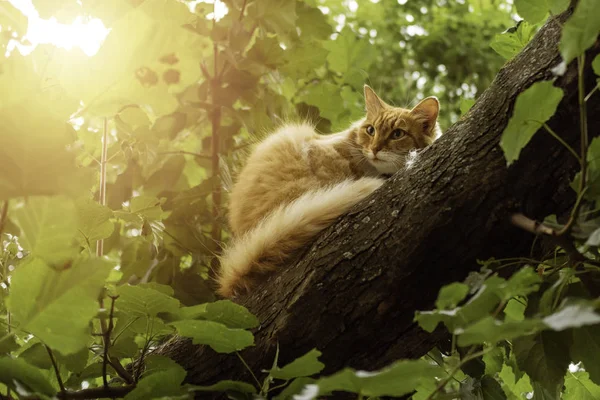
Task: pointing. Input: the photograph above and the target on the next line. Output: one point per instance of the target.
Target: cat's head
(388, 134)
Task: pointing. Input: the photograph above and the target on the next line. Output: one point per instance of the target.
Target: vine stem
(555, 135)
(102, 197)
(106, 337)
(249, 369)
(583, 130)
(470, 356)
(215, 125)
(56, 371)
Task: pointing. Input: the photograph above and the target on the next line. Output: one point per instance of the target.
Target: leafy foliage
(115, 169)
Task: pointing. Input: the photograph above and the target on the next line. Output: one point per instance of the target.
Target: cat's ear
(427, 110)
(373, 103)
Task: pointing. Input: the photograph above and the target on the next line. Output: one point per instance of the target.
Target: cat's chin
(384, 167)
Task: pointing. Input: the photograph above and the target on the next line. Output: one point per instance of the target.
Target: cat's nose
(374, 151)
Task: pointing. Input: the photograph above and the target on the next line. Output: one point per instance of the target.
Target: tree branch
(353, 293)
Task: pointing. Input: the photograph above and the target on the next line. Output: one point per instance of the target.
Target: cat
(297, 182)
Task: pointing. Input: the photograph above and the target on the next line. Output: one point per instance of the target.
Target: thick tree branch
(353, 293)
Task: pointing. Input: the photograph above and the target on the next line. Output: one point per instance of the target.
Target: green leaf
(225, 312)
(145, 301)
(581, 30)
(159, 384)
(514, 311)
(15, 372)
(586, 348)
(593, 158)
(491, 331)
(544, 357)
(596, 65)
(57, 305)
(516, 389)
(532, 10)
(347, 53)
(512, 41)
(320, 95)
(48, 228)
(225, 386)
(94, 223)
(522, 283)
(494, 359)
(295, 387)
(37, 356)
(400, 378)
(146, 206)
(306, 365)
(573, 315)
(219, 337)
(533, 107)
(450, 295)
(491, 389)
(578, 386)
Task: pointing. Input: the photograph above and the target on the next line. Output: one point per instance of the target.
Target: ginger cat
(297, 182)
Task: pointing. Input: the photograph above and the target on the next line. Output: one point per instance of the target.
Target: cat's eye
(398, 133)
(370, 130)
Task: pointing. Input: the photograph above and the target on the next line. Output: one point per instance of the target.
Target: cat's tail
(288, 228)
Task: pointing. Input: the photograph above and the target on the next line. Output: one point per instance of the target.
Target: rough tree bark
(353, 293)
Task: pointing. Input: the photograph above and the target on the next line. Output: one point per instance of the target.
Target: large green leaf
(578, 386)
(513, 387)
(225, 312)
(225, 386)
(491, 330)
(586, 348)
(17, 373)
(452, 294)
(532, 10)
(533, 107)
(145, 301)
(349, 53)
(48, 228)
(94, 221)
(166, 382)
(544, 357)
(581, 30)
(306, 365)
(57, 305)
(221, 338)
(573, 315)
(400, 378)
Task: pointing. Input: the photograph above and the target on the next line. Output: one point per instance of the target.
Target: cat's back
(279, 170)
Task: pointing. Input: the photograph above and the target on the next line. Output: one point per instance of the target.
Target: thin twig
(215, 126)
(249, 369)
(56, 371)
(591, 92)
(106, 336)
(242, 11)
(537, 228)
(583, 128)
(470, 356)
(123, 373)
(555, 135)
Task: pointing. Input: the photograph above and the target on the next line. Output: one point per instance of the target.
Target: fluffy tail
(286, 229)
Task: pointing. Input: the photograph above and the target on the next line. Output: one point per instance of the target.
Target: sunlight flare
(84, 32)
